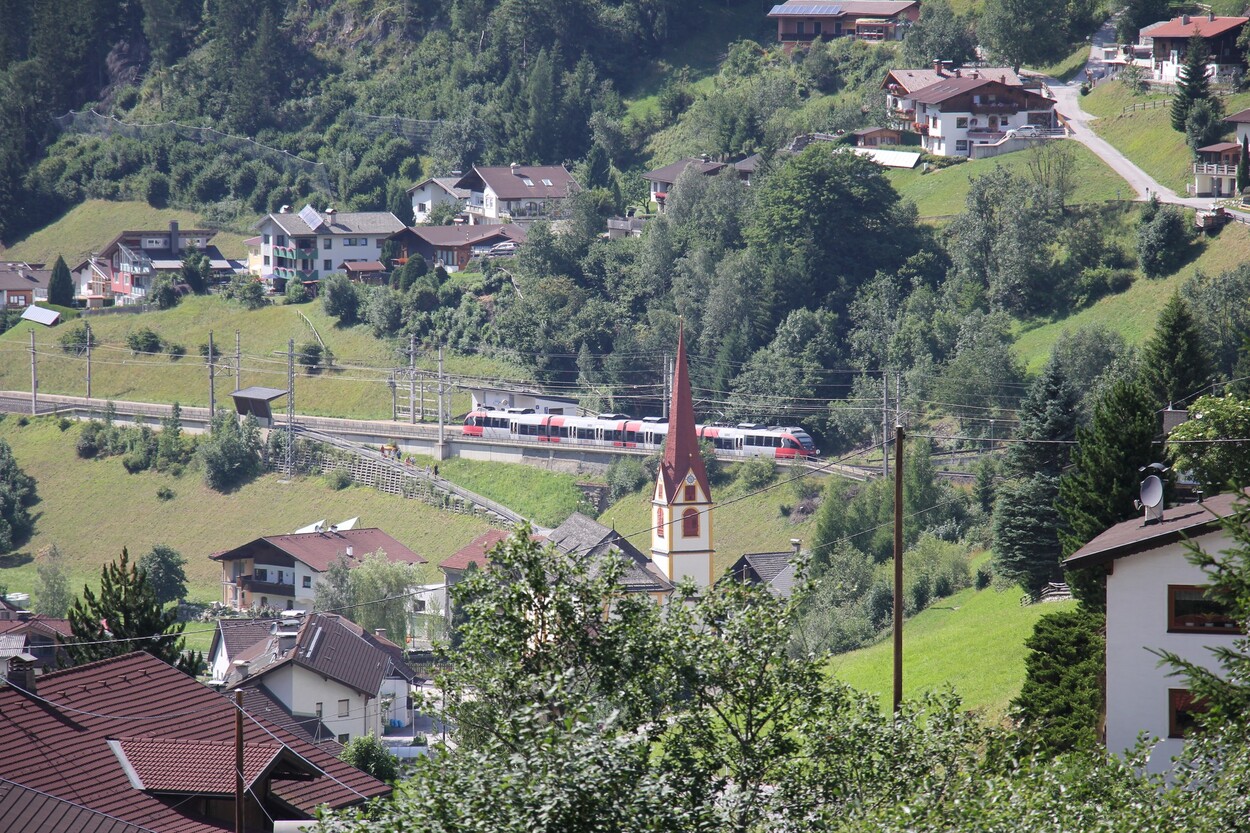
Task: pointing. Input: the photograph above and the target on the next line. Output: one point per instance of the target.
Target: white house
(1169, 41)
(435, 191)
(959, 112)
(517, 193)
(900, 85)
(1155, 601)
(312, 244)
(283, 571)
(354, 682)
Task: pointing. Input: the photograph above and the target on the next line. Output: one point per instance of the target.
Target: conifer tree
(1048, 418)
(1175, 362)
(1191, 81)
(1243, 166)
(1026, 531)
(126, 617)
(60, 285)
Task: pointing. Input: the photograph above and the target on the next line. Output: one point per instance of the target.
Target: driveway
(1068, 103)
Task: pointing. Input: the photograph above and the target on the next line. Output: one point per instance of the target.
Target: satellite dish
(1152, 492)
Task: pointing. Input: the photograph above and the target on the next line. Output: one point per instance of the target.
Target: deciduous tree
(51, 591)
(17, 493)
(1205, 444)
(163, 566)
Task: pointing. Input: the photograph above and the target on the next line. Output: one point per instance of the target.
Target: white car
(505, 249)
(1026, 130)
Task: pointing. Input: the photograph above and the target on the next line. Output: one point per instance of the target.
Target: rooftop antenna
(1151, 493)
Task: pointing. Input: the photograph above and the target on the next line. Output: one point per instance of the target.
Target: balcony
(1008, 107)
(798, 37)
(284, 251)
(1215, 169)
(254, 585)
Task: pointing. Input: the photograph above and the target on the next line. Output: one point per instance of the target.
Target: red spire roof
(681, 451)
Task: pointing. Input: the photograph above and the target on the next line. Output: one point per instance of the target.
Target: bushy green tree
(1026, 531)
(1048, 416)
(17, 493)
(51, 590)
(1023, 32)
(939, 35)
(1200, 445)
(368, 754)
(1162, 241)
(1204, 124)
(335, 592)
(1061, 700)
(1192, 84)
(1175, 362)
(340, 299)
(163, 566)
(125, 617)
(231, 453)
(60, 285)
(375, 578)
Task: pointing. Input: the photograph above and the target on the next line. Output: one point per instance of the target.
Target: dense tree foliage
(51, 590)
(939, 35)
(1062, 697)
(163, 566)
(231, 453)
(1175, 363)
(17, 493)
(1192, 84)
(1200, 445)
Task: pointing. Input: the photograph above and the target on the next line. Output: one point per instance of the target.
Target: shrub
(175, 351)
(163, 293)
(64, 423)
(88, 441)
(1162, 241)
(246, 290)
(74, 339)
(135, 462)
(340, 299)
(23, 421)
(144, 340)
(231, 453)
(757, 473)
(297, 293)
(338, 479)
(625, 476)
(309, 356)
(985, 576)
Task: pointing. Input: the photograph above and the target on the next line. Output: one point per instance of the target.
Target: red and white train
(621, 431)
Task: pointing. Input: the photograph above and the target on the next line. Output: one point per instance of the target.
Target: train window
(775, 442)
(791, 443)
(690, 523)
(748, 440)
(498, 422)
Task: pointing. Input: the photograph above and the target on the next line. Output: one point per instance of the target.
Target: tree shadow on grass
(15, 559)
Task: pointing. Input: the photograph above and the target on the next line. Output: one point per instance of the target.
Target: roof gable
(1188, 26)
(1178, 523)
(318, 550)
(475, 551)
(510, 182)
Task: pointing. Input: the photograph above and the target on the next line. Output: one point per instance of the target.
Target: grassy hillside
(1146, 137)
(357, 389)
(91, 509)
(754, 524)
(972, 641)
(89, 226)
(546, 497)
(941, 193)
(1132, 313)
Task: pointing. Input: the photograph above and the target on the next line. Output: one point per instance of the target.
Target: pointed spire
(681, 451)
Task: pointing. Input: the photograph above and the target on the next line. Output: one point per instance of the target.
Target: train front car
(795, 436)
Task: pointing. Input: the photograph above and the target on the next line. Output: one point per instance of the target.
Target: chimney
(242, 668)
(175, 244)
(349, 552)
(957, 73)
(286, 209)
(1211, 17)
(514, 166)
(937, 67)
(22, 675)
(330, 212)
(1184, 20)
(380, 633)
(1002, 79)
(795, 544)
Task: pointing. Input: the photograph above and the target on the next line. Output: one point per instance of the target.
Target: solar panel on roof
(311, 217)
(808, 8)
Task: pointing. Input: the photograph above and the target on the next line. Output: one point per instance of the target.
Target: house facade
(958, 113)
(453, 247)
(433, 192)
(311, 244)
(900, 85)
(1155, 601)
(661, 180)
(800, 22)
(22, 284)
(283, 571)
(1170, 43)
(517, 193)
(125, 269)
(1215, 172)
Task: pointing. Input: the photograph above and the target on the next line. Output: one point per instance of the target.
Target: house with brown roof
(661, 180)
(454, 246)
(22, 284)
(958, 113)
(127, 266)
(433, 192)
(233, 636)
(1155, 601)
(801, 21)
(1170, 43)
(1215, 171)
(41, 637)
(130, 743)
(308, 245)
(331, 670)
(367, 272)
(517, 193)
(283, 571)
(899, 86)
(774, 570)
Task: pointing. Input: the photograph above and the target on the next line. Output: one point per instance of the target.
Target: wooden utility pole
(898, 567)
(412, 378)
(441, 410)
(212, 387)
(238, 361)
(885, 424)
(34, 378)
(88, 361)
(238, 760)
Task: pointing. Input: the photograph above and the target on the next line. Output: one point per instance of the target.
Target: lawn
(91, 509)
(547, 497)
(1067, 67)
(89, 226)
(358, 388)
(972, 642)
(754, 524)
(1146, 137)
(1133, 313)
(941, 193)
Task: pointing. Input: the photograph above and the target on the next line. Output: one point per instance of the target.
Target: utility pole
(885, 423)
(238, 760)
(441, 394)
(212, 392)
(423, 396)
(412, 378)
(390, 383)
(898, 567)
(290, 407)
(666, 383)
(88, 361)
(238, 362)
(34, 378)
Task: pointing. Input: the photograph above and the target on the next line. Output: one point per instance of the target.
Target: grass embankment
(91, 509)
(357, 389)
(753, 524)
(1133, 313)
(88, 227)
(941, 193)
(972, 642)
(1067, 67)
(1146, 137)
(546, 497)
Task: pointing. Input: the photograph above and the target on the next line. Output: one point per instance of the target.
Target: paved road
(1068, 98)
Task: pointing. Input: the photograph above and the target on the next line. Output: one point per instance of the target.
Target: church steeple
(681, 540)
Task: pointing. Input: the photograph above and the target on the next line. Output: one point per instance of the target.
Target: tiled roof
(681, 449)
(12, 645)
(29, 811)
(508, 183)
(162, 765)
(670, 173)
(20, 276)
(1197, 25)
(1220, 147)
(912, 80)
(586, 537)
(319, 549)
(38, 622)
(857, 8)
(1240, 117)
(1134, 536)
(359, 222)
(333, 647)
(463, 235)
(261, 702)
(475, 551)
(63, 732)
(237, 635)
(772, 569)
(447, 183)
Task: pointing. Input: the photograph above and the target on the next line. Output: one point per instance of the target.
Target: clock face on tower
(690, 478)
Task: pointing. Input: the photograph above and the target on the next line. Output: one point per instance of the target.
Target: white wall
(1137, 619)
(430, 195)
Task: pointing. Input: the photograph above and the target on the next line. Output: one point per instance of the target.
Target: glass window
(691, 494)
(264, 238)
(1182, 711)
(318, 710)
(659, 521)
(690, 523)
(344, 738)
(1190, 610)
(266, 260)
(327, 243)
(961, 121)
(280, 240)
(344, 707)
(308, 581)
(327, 264)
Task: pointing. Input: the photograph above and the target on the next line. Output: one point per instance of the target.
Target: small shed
(871, 137)
(255, 401)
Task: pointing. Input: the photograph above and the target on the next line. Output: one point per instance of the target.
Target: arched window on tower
(690, 523)
(659, 521)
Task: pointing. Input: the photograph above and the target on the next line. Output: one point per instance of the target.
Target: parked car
(1026, 130)
(505, 249)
